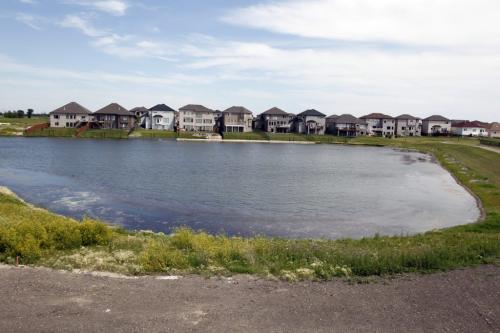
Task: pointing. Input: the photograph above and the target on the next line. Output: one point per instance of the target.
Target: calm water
(278, 190)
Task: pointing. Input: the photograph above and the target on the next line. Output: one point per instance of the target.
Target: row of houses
(198, 118)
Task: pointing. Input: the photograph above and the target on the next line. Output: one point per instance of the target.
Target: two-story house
(160, 117)
(436, 125)
(345, 125)
(408, 125)
(237, 119)
(378, 124)
(274, 120)
(197, 118)
(70, 115)
(114, 116)
(310, 122)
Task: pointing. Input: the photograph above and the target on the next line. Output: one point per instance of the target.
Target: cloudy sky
(338, 56)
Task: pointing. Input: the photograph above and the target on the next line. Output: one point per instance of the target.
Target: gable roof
(311, 113)
(406, 117)
(466, 123)
(114, 108)
(376, 116)
(348, 119)
(237, 109)
(494, 127)
(436, 118)
(276, 112)
(195, 108)
(161, 107)
(72, 107)
(333, 116)
(139, 109)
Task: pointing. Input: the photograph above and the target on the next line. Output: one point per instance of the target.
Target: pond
(286, 190)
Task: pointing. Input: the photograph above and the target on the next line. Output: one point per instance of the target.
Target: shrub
(95, 233)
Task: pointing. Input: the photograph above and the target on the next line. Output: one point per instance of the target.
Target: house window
(158, 120)
(188, 120)
(57, 124)
(198, 121)
(56, 116)
(207, 121)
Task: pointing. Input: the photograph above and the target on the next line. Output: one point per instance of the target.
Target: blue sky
(339, 56)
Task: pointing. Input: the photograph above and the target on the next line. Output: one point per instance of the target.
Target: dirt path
(51, 301)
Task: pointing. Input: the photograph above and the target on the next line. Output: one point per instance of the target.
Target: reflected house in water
(345, 125)
(436, 125)
(114, 116)
(197, 118)
(237, 119)
(310, 122)
(408, 125)
(69, 115)
(274, 120)
(379, 124)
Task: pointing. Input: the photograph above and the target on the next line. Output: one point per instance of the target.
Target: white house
(160, 117)
(436, 125)
(70, 115)
(469, 128)
(310, 122)
(378, 124)
(197, 118)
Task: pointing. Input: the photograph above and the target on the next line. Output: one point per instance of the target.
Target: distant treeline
(20, 114)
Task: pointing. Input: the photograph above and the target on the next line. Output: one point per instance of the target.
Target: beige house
(69, 115)
(379, 124)
(408, 125)
(196, 118)
(274, 120)
(436, 125)
(494, 130)
(237, 119)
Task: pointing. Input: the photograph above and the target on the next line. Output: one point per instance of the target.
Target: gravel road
(43, 300)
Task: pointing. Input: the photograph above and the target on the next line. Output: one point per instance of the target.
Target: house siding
(67, 120)
(197, 121)
(436, 127)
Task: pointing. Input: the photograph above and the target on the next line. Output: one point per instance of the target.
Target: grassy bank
(153, 134)
(43, 238)
(105, 134)
(16, 126)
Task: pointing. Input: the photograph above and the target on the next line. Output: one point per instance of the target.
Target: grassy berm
(43, 238)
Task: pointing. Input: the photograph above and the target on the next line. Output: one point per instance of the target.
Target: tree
(20, 114)
(30, 113)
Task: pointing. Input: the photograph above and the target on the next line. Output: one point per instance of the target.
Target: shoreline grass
(43, 238)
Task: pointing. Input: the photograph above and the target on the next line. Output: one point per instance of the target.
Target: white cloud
(113, 7)
(30, 20)
(421, 22)
(78, 22)
(29, 2)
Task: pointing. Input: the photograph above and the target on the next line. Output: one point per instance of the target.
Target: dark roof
(406, 117)
(333, 116)
(470, 124)
(195, 108)
(237, 109)
(437, 118)
(376, 116)
(276, 111)
(114, 108)
(72, 107)
(162, 107)
(311, 113)
(348, 119)
(139, 109)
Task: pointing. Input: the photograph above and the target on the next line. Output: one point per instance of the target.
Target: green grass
(152, 134)
(43, 238)
(105, 134)
(256, 135)
(54, 132)
(16, 126)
